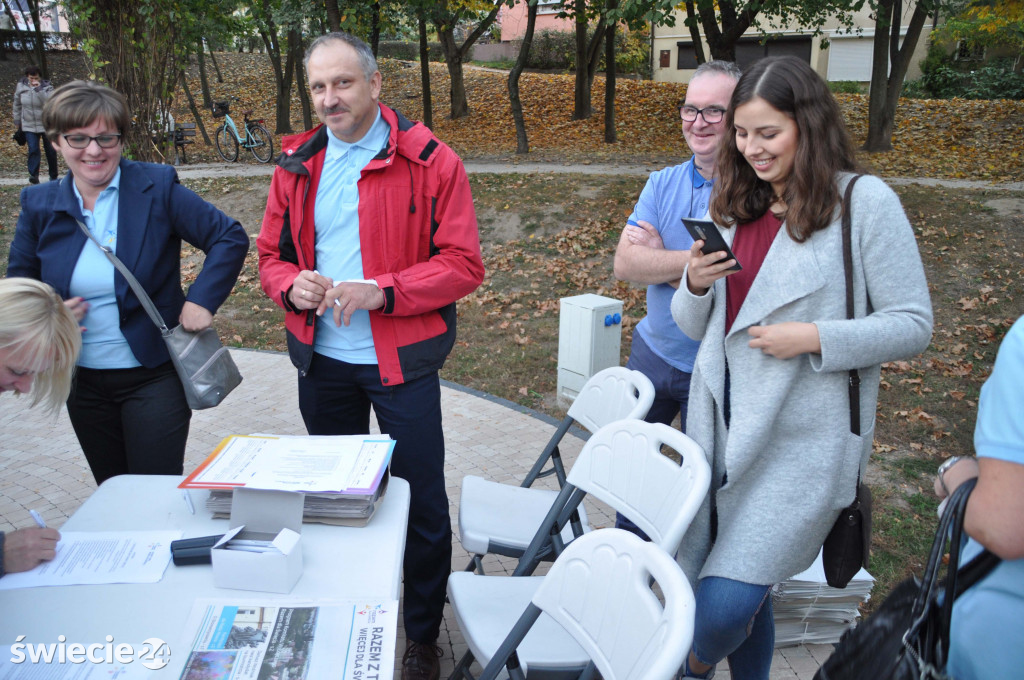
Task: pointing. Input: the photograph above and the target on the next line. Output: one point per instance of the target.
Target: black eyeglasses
(104, 141)
(711, 114)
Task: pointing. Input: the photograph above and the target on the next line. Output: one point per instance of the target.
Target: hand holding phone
(706, 231)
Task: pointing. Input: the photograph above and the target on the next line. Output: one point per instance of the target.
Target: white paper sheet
(96, 557)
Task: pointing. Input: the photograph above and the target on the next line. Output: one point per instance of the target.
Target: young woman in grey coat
(769, 399)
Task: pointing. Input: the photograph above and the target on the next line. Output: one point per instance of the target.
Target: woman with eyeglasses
(770, 399)
(127, 405)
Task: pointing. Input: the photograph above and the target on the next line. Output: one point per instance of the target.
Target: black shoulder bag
(205, 367)
(907, 637)
(848, 545)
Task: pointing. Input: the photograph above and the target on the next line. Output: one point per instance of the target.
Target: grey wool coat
(788, 462)
(28, 105)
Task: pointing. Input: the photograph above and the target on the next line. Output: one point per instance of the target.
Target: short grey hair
(367, 61)
(718, 66)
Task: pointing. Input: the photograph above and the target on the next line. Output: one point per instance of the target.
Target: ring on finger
(305, 293)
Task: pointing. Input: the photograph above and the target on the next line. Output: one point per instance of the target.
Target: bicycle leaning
(257, 138)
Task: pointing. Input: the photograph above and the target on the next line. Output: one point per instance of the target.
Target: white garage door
(849, 58)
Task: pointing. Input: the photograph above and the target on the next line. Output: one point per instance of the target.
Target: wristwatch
(948, 463)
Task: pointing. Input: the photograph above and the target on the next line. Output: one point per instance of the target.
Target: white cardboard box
(265, 515)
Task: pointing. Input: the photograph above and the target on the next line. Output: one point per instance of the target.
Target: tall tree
(724, 22)
(448, 15)
(37, 39)
(609, 80)
(522, 143)
(890, 59)
(588, 53)
(428, 106)
(134, 49)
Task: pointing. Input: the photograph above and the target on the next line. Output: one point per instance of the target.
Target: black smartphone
(705, 230)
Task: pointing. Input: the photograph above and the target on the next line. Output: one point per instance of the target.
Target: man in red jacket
(368, 239)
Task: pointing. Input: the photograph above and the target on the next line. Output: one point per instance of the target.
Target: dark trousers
(335, 398)
(32, 140)
(671, 396)
(130, 420)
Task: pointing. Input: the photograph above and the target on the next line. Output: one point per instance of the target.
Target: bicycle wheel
(262, 143)
(227, 145)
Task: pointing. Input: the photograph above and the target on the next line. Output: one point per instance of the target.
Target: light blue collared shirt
(338, 253)
(103, 344)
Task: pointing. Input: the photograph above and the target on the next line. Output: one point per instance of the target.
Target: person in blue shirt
(655, 246)
(127, 405)
(986, 636)
(39, 344)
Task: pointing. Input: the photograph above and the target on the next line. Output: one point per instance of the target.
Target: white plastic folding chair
(598, 593)
(502, 518)
(622, 464)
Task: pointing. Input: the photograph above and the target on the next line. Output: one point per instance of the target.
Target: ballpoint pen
(38, 518)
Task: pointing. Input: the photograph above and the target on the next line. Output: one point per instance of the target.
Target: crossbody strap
(854, 379)
(140, 292)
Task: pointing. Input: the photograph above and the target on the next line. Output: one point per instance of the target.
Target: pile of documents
(809, 611)
(343, 477)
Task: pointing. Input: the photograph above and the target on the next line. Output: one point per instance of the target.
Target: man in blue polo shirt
(654, 246)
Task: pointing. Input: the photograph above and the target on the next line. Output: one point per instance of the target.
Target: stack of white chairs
(622, 465)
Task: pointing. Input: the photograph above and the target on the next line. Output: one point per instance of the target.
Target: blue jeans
(734, 620)
(32, 140)
(671, 396)
(335, 398)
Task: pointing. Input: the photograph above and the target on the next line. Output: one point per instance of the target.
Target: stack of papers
(343, 477)
(809, 611)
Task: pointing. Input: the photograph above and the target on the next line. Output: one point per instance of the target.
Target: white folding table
(340, 563)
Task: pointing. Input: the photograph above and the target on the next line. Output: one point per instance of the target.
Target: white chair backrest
(598, 590)
(622, 465)
(612, 394)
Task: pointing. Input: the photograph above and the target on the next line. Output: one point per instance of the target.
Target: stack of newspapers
(343, 478)
(809, 611)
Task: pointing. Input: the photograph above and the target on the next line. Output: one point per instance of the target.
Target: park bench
(184, 133)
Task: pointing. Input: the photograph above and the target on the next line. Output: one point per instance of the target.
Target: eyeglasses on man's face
(711, 114)
(104, 141)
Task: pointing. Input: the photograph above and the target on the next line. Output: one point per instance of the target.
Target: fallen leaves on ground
(953, 139)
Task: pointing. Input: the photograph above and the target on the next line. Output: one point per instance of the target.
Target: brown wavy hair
(791, 86)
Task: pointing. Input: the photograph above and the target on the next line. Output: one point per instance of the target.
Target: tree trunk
(609, 80)
(889, 64)
(204, 82)
(39, 44)
(216, 66)
(375, 26)
(581, 109)
(268, 32)
(284, 100)
(297, 50)
(428, 107)
(522, 143)
(333, 15)
(693, 24)
(192, 107)
(445, 22)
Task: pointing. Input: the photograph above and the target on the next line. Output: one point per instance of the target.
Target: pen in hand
(38, 518)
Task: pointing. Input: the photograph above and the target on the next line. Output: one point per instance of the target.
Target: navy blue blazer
(155, 213)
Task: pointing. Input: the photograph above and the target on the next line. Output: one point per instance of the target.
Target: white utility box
(589, 340)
